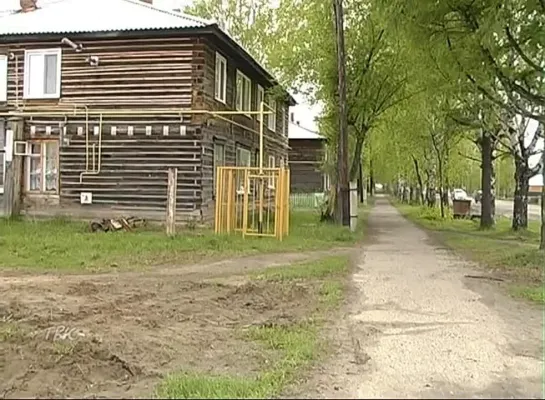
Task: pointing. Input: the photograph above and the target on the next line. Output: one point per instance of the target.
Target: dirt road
(418, 328)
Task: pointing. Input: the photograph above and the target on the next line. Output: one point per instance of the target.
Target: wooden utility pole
(13, 176)
(542, 241)
(172, 187)
(343, 197)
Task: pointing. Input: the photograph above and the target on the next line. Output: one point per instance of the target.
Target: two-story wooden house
(110, 94)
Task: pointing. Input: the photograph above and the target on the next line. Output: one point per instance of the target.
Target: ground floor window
(243, 159)
(42, 167)
(219, 161)
(271, 176)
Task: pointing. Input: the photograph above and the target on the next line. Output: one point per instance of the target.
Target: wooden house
(306, 156)
(104, 96)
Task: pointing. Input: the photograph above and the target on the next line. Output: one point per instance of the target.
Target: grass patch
(332, 293)
(534, 294)
(296, 345)
(513, 254)
(317, 269)
(60, 244)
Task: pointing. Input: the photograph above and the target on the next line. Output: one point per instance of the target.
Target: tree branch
(511, 39)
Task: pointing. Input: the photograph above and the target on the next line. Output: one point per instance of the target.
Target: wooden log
(171, 201)
(14, 169)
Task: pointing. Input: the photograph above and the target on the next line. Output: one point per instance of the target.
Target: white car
(459, 194)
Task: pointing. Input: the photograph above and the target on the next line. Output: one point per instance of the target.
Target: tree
(343, 194)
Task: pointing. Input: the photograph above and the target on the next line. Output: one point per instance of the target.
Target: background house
(306, 156)
(68, 66)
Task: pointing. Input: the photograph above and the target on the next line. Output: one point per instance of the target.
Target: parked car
(459, 194)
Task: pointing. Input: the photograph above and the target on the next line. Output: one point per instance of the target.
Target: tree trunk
(420, 184)
(360, 184)
(356, 159)
(487, 218)
(371, 179)
(542, 242)
(520, 202)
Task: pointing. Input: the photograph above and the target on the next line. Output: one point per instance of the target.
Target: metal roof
(80, 16)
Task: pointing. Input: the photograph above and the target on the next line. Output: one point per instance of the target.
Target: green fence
(306, 200)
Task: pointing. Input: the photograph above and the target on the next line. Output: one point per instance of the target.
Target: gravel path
(417, 328)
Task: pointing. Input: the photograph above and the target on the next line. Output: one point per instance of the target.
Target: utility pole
(343, 190)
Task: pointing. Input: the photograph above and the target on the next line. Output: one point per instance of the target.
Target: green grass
(534, 294)
(513, 254)
(297, 345)
(67, 245)
(317, 269)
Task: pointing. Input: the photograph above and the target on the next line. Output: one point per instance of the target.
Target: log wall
(137, 150)
(232, 136)
(144, 74)
(305, 158)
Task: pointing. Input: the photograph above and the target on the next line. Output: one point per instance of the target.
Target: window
(285, 122)
(243, 158)
(221, 78)
(271, 176)
(42, 167)
(219, 161)
(42, 74)
(244, 92)
(271, 122)
(3, 78)
(282, 163)
(260, 99)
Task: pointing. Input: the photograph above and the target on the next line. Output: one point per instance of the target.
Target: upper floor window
(260, 99)
(285, 122)
(271, 121)
(221, 78)
(42, 78)
(244, 92)
(3, 77)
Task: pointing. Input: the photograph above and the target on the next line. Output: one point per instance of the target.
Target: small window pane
(50, 75)
(51, 173)
(35, 183)
(239, 93)
(35, 75)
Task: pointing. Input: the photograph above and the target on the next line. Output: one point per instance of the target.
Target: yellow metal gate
(251, 203)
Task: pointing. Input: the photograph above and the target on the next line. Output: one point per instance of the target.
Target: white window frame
(43, 163)
(271, 120)
(260, 98)
(215, 165)
(220, 88)
(271, 164)
(26, 92)
(3, 78)
(246, 88)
